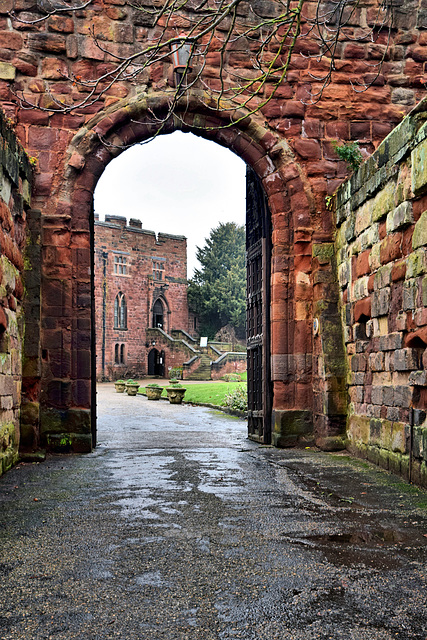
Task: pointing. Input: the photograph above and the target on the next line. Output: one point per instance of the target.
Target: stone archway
(160, 313)
(67, 395)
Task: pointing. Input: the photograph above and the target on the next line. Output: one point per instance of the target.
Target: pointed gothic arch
(158, 315)
(160, 312)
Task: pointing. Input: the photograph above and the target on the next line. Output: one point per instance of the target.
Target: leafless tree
(238, 51)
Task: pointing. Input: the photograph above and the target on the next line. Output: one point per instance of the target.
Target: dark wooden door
(156, 363)
(258, 258)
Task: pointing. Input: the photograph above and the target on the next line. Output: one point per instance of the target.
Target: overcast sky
(178, 184)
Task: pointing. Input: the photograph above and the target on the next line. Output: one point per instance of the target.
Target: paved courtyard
(177, 527)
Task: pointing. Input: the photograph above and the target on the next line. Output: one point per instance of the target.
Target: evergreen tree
(217, 291)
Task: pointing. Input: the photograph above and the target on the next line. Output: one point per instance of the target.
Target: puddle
(379, 548)
(380, 537)
(366, 538)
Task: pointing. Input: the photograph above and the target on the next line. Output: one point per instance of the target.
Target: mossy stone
(419, 238)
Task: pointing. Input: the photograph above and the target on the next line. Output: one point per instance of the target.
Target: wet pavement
(177, 527)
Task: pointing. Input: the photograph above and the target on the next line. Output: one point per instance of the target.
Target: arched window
(158, 315)
(120, 311)
(119, 353)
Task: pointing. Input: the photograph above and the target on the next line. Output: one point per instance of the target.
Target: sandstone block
(373, 410)
(374, 439)
(410, 292)
(416, 263)
(356, 394)
(400, 217)
(419, 168)
(362, 309)
(391, 248)
(344, 273)
(7, 71)
(376, 363)
(402, 397)
(358, 362)
(418, 378)
(308, 149)
(362, 264)
(350, 228)
(418, 442)
(47, 42)
(383, 202)
(358, 378)
(417, 52)
(358, 429)
(394, 436)
(369, 237)
(392, 414)
(381, 302)
(405, 359)
(61, 24)
(419, 238)
(376, 395)
(388, 396)
(398, 271)
(420, 317)
(53, 69)
(363, 218)
(360, 288)
(391, 342)
(382, 277)
(374, 257)
(10, 40)
(296, 109)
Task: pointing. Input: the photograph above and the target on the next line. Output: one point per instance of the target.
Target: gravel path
(177, 527)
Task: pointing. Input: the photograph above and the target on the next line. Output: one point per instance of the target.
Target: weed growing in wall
(349, 152)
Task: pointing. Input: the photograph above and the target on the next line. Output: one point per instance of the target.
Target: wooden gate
(258, 259)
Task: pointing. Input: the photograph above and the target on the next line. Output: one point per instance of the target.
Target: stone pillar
(329, 371)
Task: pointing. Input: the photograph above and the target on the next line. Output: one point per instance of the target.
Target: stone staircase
(203, 371)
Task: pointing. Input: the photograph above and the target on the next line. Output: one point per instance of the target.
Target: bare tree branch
(239, 51)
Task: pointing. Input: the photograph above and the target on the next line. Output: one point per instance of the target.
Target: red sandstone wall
(15, 178)
(382, 268)
(238, 366)
(140, 288)
(36, 59)
(289, 144)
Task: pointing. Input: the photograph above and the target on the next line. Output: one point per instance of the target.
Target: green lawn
(206, 392)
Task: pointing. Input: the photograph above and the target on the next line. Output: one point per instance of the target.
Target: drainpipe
(104, 309)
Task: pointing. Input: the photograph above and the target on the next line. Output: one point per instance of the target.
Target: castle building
(140, 285)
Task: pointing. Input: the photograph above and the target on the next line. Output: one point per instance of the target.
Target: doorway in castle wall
(156, 363)
(155, 205)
